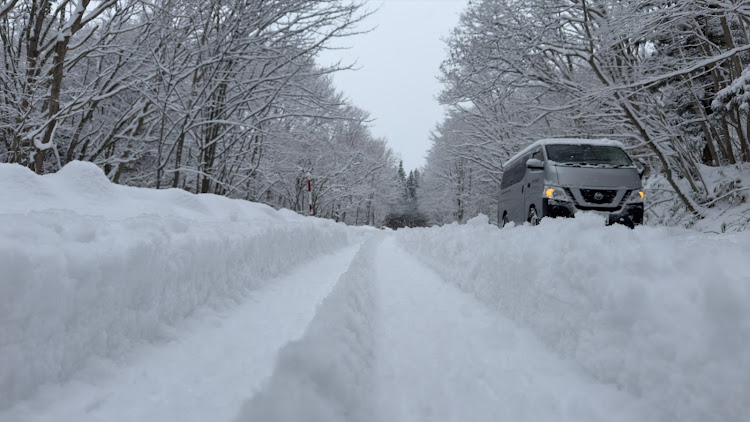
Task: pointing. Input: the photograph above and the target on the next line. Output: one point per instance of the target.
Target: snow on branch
(737, 94)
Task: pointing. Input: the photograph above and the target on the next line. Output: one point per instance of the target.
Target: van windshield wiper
(585, 164)
(578, 164)
(607, 165)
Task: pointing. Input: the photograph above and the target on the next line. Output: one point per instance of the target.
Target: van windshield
(594, 155)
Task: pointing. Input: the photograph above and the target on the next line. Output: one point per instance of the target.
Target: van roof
(565, 141)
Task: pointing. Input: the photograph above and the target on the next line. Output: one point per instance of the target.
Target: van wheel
(505, 219)
(533, 216)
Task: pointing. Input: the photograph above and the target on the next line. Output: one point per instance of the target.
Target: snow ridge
(326, 376)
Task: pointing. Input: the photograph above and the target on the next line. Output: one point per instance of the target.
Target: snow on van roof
(565, 141)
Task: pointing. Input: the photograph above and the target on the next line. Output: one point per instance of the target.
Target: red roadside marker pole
(309, 194)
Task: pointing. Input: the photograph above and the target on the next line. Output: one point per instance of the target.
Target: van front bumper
(628, 214)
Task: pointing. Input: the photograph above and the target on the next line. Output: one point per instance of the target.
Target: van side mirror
(534, 164)
(641, 166)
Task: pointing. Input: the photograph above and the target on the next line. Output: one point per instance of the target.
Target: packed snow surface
(119, 303)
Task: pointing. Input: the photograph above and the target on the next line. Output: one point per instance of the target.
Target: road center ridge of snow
(326, 375)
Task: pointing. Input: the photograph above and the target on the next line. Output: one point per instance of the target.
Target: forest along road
(388, 341)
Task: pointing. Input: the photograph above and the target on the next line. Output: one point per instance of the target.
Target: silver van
(559, 177)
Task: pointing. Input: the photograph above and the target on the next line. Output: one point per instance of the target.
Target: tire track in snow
(393, 342)
(215, 362)
(444, 356)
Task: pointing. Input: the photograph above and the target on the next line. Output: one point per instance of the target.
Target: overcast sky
(398, 65)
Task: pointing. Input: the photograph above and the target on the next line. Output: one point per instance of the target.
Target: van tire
(533, 216)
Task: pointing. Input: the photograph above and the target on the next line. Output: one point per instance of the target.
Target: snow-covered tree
(455, 186)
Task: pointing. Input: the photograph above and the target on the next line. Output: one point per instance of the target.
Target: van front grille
(571, 196)
(598, 196)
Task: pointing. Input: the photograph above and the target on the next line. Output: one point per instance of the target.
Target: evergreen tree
(401, 172)
(404, 212)
(402, 183)
(411, 186)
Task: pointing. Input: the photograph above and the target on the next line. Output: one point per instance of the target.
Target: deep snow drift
(89, 269)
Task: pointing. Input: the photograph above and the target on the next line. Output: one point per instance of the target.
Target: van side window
(508, 175)
(505, 181)
(514, 173)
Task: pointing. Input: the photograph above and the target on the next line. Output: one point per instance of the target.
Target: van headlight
(636, 197)
(557, 193)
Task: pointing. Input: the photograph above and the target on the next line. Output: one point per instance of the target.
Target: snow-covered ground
(728, 205)
(128, 304)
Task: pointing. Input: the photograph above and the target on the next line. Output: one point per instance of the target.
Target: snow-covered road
(165, 306)
(419, 349)
(390, 340)
(435, 354)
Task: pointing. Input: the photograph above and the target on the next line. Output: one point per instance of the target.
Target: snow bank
(326, 375)
(661, 313)
(89, 269)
